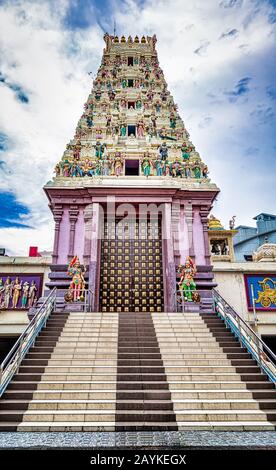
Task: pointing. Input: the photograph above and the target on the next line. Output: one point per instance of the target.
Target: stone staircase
(137, 371)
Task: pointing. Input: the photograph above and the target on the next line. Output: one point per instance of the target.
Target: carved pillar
(204, 212)
(73, 217)
(189, 220)
(169, 264)
(95, 255)
(176, 230)
(57, 213)
(88, 217)
(184, 244)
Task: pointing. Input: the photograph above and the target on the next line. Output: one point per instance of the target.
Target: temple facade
(131, 195)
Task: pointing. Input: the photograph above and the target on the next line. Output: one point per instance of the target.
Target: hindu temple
(131, 195)
(129, 332)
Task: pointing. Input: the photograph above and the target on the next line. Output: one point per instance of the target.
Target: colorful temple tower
(131, 195)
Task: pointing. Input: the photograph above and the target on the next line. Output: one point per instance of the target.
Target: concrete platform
(143, 440)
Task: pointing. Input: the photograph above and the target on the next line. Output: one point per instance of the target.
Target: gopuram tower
(131, 194)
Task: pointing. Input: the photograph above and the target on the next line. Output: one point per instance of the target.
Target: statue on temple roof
(108, 41)
(163, 151)
(118, 164)
(99, 149)
(146, 165)
(140, 129)
(232, 222)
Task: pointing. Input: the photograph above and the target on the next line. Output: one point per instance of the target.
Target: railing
(12, 361)
(88, 300)
(180, 303)
(247, 337)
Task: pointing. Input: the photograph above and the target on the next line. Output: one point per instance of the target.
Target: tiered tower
(131, 194)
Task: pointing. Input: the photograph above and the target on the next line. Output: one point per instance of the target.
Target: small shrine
(221, 240)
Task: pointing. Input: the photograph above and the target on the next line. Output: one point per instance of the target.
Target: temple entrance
(131, 266)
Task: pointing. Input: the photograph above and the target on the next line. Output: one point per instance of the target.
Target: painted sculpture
(187, 284)
(16, 289)
(77, 285)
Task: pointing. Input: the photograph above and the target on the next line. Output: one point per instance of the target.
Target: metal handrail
(12, 361)
(179, 300)
(86, 302)
(246, 335)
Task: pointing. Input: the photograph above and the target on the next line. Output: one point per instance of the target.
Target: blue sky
(219, 61)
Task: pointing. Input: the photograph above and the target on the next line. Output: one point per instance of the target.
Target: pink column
(88, 213)
(198, 238)
(189, 217)
(168, 257)
(184, 241)
(79, 235)
(204, 212)
(73, 217)
(57, 213)
(95, 255)
(63, 241)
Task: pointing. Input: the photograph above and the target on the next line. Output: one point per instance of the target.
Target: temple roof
(130, 125)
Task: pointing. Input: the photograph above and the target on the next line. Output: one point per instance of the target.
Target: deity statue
(158, 106)
(197, 170)
(118, 164)
(76, 169)
(160, 167)
(111, 95)
(232, 223)
(16, 288)
(106, 167)
(2, 290)
(138, 104)
(187, 283)
(57, 170)
(140, 129)
(175, 169)
(26, 287)
(124, 83)
(32, 294)
(205, 171)
(108, 41)
(66, 168)
(7, 292)
(99, 149)
(163, 151)
(77, 150)
(123, 130)
(185, 151)
(172, 121)
(146, 165)
(89, 122)
(98, 95)
(77, 285)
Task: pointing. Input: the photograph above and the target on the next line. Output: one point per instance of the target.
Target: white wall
(230, 280)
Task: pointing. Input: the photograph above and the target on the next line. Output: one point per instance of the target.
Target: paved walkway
(177, 439)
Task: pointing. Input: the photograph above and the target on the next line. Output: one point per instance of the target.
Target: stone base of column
(205, 283)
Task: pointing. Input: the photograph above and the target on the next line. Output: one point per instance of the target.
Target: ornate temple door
(131, 266)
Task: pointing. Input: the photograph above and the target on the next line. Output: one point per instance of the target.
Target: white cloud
(51, 65)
